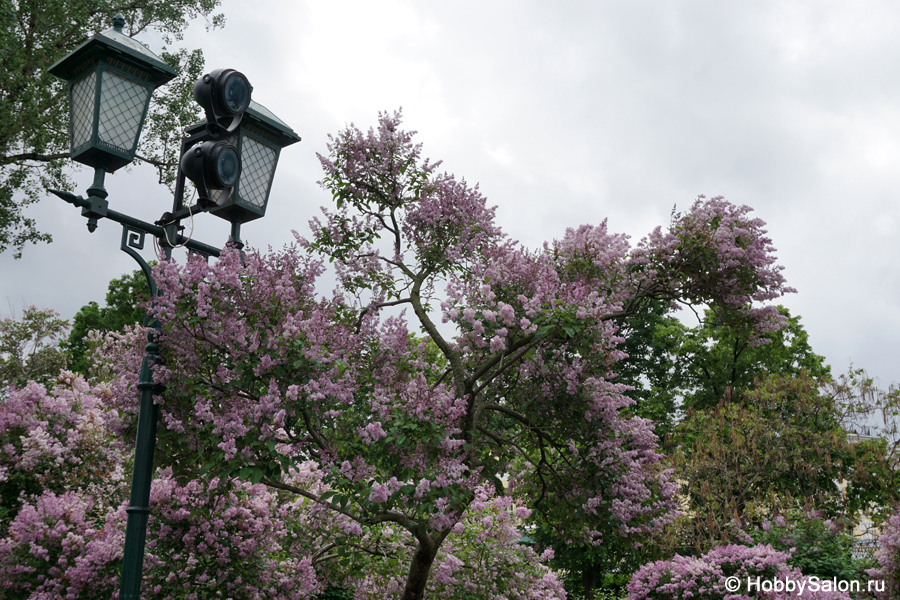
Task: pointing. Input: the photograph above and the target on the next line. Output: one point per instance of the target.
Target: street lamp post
(230, 158)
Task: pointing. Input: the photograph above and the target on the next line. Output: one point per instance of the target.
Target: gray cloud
(574, 112)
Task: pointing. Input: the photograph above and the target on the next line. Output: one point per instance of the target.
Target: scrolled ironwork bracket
(132, 241)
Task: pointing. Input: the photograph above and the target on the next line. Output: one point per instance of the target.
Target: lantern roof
(259, 115)
(114, 44)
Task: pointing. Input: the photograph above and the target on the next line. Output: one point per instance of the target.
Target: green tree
(34, 34)
(655, 366)
(718, 357)
(30, 349)
(126, 299)
(673, 367)
(782, 450)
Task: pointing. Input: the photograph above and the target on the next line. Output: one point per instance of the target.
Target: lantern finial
(118, 22)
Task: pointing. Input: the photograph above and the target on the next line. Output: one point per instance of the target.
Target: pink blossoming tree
(491, 389)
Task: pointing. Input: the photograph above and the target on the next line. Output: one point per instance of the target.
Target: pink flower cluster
(62, 546)
(59, 440)
(717, 254)
(888, 556)
(223, 537)
(64, 470)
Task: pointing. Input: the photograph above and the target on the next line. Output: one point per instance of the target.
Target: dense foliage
(784, 449)
(673, 367)
(816, 546)
(30, 347)
(126, 305)
(64, 468)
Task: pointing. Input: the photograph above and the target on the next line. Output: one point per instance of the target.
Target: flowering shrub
(62, 478)
(732, 572)
(816, 545)
(58, 440)
(203, 540)
(62, 546)
(222, 538)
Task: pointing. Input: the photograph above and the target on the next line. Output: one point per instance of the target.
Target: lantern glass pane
(122, 103)
(256, 176)
(84, 93)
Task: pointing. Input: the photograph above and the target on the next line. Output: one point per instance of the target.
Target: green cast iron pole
(134, 231)
(144, 446)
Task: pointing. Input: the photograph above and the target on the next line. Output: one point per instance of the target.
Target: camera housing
(224, 95)
(212, 165)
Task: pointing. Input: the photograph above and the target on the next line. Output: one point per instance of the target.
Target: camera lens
(228, 165)
(236, 92)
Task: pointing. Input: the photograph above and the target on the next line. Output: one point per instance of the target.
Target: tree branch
(378, 306)
(34, 156)
(301, 492)
(521, 350)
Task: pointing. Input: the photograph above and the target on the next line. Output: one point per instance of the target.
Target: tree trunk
(419, 569)
(589, 580)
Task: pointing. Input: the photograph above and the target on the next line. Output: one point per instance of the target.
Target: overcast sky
(569, 113)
